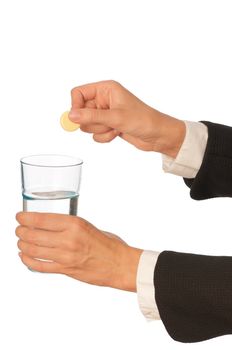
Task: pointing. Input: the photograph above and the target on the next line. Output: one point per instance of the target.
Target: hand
(76, 248)
(107, 110)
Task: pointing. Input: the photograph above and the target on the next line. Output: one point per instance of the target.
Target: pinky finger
(40, 266)
(106, 137)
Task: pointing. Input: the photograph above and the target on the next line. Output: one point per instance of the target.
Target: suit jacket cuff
(214, 177)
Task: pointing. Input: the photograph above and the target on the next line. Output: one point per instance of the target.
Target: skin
(71, 245)
(106, 109)
(76, 248)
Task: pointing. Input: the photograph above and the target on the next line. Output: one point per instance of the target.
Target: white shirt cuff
(145, 285)
(190, 156)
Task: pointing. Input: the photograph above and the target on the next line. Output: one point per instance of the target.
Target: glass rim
(75, 161)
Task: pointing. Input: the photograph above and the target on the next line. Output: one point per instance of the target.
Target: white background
(174, 55)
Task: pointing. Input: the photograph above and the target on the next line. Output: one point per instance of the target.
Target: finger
(45, 221)
(90, 91)
(78, 99)
(83, 93)
(106, 137)
(40, 266)
(40, 237)
(95, 128)
(112, 118)
(52, 254)
(90, 104)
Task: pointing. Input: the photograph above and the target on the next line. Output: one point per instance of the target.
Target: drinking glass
(51, 183)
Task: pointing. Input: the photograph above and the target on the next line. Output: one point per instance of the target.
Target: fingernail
(74, 115)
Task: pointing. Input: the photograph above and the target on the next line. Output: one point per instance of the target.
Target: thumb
(112, 118)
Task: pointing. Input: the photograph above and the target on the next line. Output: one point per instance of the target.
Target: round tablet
(67, 124)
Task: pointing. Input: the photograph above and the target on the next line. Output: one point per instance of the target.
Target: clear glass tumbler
(51, 183)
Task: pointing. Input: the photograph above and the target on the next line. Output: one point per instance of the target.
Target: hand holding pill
(107, 110)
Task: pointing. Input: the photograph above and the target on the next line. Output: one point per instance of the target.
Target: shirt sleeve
(190, 156)
(145, 285)
(186, 164)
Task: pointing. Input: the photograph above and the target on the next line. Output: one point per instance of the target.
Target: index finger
(44, 221)
(89, 92)
(83, 93)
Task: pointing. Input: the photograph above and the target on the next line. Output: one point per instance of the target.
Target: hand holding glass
(51, 183)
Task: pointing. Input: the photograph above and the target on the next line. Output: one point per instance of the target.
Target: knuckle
(73, 224)
(18, 230)
(70, 244)
(19, 244)
(113, 82)
(69, 258)
(73, 237)
(79, 221)
(73, 241)
(67, 242)
(25, 234)
(73, 90)
(83, 224)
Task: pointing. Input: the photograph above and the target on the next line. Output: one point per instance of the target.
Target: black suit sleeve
(214, 178)
(194, 292)
(194, 295)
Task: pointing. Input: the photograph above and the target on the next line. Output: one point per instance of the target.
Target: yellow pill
(67, 124)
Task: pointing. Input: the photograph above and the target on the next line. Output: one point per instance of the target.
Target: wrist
(129, 262)
(172, 134)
